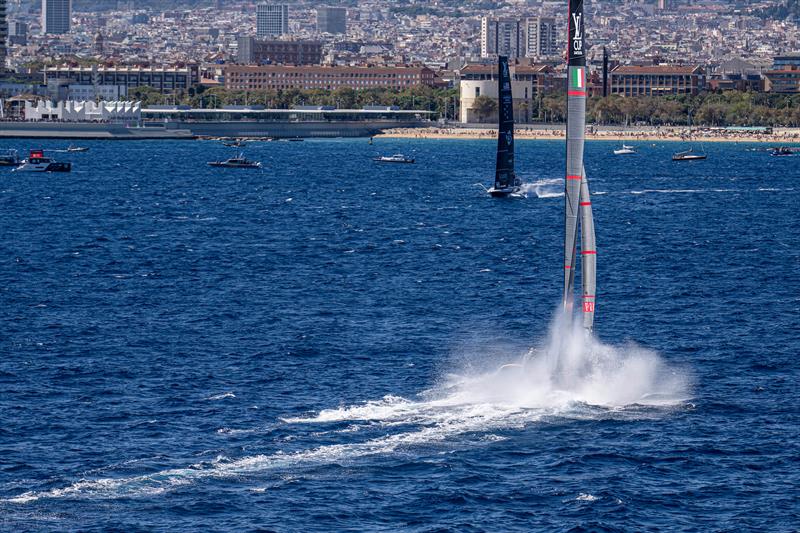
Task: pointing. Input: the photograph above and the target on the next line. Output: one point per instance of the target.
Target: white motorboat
(9, 158)
(396, 158)
(625, 150)
(38, 162)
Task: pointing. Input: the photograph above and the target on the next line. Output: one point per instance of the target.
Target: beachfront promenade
(778, 135)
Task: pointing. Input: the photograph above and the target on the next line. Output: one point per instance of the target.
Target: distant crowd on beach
(663, 134)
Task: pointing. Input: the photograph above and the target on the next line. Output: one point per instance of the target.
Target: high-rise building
(3, 35)
(332, 20)
(56, 16)
(540, 37)
(501, 37)
(17, 33)
(272, 19)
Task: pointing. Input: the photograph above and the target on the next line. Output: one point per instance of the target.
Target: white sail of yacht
(578, 204)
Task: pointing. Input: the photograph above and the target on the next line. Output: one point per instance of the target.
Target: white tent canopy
(71, 110)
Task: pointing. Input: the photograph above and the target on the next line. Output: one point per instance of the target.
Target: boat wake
(571, 376)
(681, 191)
(545, 188)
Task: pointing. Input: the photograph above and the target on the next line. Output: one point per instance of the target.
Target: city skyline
(729, 45)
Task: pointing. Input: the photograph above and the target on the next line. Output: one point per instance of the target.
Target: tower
(272, 19)
(540, 37)
(56, 16)
(501, 37)
(332, 20)
(3, 35)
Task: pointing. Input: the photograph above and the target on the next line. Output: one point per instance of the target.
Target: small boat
(506, 182)
(625, 150)
(37, 162)
(687, 155)
(232, 144)
(782, 150)
(690, 154)
(72, 148)
(236, 162)
(396, 158)
(9, 158)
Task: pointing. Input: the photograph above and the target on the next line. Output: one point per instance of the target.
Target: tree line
(729, 108)
(441, 102)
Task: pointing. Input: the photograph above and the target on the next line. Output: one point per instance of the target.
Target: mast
(588, 255)
(576, 197)
(504, 173)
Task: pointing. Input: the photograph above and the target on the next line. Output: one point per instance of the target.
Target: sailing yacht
(690, 154)
(578, 203)
(506, 182)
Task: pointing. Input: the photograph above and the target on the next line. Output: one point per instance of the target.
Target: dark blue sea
(331, 344)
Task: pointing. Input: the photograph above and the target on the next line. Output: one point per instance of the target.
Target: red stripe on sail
(585, 203)
(588, 252)
(576, 93)
(567, 267)
(588, 295)
(573, 177)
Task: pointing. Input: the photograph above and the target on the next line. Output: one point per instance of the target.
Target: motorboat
(688, 155)
(236, 162)
(782, 150)
(9, 158)
(396, 158)
(232, 144)
(72, 148)
(38, 162)
(625, 150)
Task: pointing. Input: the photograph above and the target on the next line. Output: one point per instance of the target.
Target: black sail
(504, 175)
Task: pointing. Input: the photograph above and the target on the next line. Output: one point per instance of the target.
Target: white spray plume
(545, 188)
(573, 366)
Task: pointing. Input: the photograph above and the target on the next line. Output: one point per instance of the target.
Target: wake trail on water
(545, 188)
(572, 375)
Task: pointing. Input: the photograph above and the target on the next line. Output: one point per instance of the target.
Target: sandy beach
(778, 136)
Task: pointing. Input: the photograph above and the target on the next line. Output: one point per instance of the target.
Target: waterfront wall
(189, 129)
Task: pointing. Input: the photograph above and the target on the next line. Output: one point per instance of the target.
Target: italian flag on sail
(577, 79)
